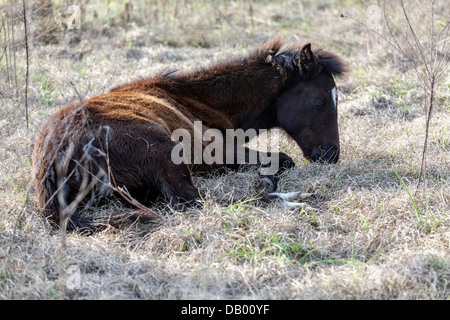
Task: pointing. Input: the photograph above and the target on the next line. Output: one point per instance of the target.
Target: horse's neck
(241, 94)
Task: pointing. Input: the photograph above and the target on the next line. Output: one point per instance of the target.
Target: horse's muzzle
(326, 154)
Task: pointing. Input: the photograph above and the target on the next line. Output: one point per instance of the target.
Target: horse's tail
(56, 202)
(52, 195)
(46, 193)
(49, 196)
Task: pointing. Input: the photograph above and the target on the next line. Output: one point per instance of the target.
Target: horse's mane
(274, 51)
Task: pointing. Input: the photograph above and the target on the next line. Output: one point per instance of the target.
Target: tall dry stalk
(250, 12)
(4, 54)
(430, 68)
(13, 51)
(433, 70)
(27, 58)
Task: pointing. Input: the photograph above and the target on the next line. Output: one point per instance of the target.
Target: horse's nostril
(326, 154)
(329, 153)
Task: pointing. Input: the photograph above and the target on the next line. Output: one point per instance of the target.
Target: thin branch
(433, 64)
(399, 48)
(434, 68)
(27, 55)
(416, 39)
(442, 69)
(14, 51)
(427, 129)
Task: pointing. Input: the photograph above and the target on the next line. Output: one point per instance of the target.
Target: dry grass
(374, 235)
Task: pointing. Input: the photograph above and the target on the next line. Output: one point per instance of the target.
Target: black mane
(287, 59)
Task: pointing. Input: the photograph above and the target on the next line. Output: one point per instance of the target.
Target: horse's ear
(308, 61)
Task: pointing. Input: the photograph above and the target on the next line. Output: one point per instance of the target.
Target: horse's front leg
(268, 184)
(270, 164)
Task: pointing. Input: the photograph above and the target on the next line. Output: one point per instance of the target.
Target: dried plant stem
(13, 46)
(250, 11)
(27, 57)
(430, 111)
(5, 50)
(432, 79)
(433, 69)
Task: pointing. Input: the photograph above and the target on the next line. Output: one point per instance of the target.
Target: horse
(122, 142)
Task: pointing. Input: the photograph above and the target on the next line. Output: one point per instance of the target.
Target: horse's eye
(317, 103)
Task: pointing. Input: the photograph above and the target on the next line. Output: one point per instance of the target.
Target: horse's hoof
(267, 184)
(284, 200)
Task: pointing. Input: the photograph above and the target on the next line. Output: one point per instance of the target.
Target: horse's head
(307, 107)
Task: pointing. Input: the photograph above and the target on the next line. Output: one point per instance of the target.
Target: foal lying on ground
(129, 139)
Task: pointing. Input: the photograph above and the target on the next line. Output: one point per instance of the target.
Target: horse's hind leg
(175, 180)
(177, 187)
(175, 184)
(142, 162)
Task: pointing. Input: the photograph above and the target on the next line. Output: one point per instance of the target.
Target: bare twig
(5, 52)
(434, 66)
(27, 57)
(13, 46)
(416, 39)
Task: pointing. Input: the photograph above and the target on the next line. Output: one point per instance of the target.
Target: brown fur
(123, 138)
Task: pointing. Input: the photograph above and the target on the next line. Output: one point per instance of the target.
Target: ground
(375, 233)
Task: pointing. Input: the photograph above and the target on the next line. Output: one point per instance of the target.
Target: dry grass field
(375, 233)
